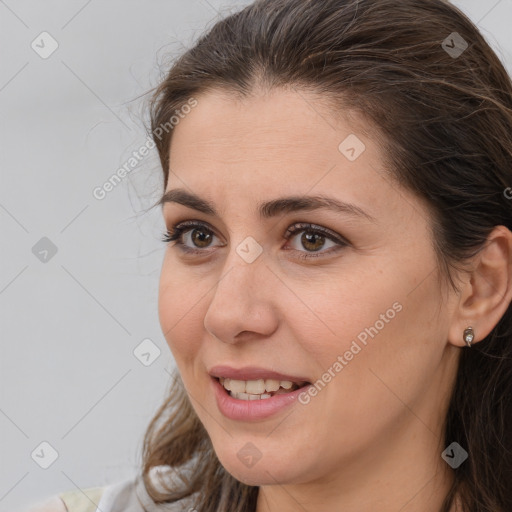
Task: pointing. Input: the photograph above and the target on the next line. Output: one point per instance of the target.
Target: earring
(468, 336)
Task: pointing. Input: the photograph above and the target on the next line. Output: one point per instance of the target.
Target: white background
(69, 326)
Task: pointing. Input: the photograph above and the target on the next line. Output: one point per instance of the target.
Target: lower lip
(247, 410)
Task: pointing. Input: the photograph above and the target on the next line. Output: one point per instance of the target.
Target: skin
(376, 428)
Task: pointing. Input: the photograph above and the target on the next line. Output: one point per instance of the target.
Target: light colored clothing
(126, 496)
(86, 500)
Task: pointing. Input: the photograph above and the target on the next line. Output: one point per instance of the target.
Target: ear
(487, 289)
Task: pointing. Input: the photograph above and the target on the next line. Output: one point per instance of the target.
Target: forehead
(281, 121)
(275, 136)
(237, 154)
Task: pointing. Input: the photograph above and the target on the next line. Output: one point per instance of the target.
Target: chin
(269, 472)
(257, 477)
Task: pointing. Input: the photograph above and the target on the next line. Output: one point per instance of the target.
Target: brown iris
(203, 237)
(311, 238)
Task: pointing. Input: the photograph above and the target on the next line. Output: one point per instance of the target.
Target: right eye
(198, 234)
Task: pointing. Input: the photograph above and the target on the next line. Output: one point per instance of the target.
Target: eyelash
(178, 230)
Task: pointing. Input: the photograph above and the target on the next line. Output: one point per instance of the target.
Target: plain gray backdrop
(79, 275)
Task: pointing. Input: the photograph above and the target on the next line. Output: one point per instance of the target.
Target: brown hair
(445, 120)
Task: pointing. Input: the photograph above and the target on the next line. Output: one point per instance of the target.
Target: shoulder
(129, 495)
(82, 500)
(53, 504)
(85, 500)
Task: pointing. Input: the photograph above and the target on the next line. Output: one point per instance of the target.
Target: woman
(337, 283)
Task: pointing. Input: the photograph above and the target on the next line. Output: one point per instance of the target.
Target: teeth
(247, 396)
(238, 386)
(271, 385)
(253, 389)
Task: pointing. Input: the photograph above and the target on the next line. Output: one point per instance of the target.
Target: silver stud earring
(468, 336)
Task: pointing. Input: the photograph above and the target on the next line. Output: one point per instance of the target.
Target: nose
(242, 303)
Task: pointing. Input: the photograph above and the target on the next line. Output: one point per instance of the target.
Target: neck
(406, 474)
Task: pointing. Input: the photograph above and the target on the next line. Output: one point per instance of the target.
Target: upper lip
(252, 373)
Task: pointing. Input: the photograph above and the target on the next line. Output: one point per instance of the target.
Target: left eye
(311, 240)
(200, 236)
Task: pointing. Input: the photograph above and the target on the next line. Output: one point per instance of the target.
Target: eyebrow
(271, 208)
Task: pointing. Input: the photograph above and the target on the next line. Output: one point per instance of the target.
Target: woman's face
(356, 310)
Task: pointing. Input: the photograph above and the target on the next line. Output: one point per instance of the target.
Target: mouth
(260, 389)
(254, 393)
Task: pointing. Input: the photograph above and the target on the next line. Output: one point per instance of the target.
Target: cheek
(386, 329)
(338, 309)
(181, 311)
(390, 304)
